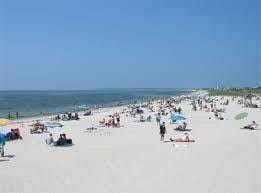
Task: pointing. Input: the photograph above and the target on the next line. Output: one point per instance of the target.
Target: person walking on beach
(162, 131)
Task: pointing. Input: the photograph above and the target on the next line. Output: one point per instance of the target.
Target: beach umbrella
(241, 116)
(2, 139)
(175, 118)
(83, 107)
(4, 122)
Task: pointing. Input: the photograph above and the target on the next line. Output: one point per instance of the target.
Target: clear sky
(74, 44)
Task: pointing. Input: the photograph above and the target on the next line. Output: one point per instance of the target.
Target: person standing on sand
(162, 131)
(158, 118)
(118, 120)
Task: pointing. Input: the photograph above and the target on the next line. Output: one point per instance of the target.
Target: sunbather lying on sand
(102, 122)
(37, 128)
(91, 129)
(251, 126)
(185, 138)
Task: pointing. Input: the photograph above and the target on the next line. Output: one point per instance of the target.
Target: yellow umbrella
(4, 122)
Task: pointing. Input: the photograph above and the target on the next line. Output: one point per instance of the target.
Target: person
(49, 140)
(216, 115)
(17, 115)
(69, 115)
(2, 144)
(58, 117)
(61, 140)
(142, 119)
(158, 119)
(251, 126)
(149, 118)
(220, 116)
(76, 116)
(102, 122)
(184, 126)
(68, 141)
(179, 110)
(194, 108)
(227, 102)
(113, 121)
(37, 127)
(118, 120)
(162, 131)
(185, 138)
(10, 135)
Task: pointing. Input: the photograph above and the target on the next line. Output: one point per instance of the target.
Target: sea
(35, 103)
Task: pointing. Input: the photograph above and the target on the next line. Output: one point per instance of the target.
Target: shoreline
(80, 112)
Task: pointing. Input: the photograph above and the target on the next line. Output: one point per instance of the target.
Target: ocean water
(32, 103)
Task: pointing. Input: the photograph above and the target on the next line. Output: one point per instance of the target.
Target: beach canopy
(175, 118)
(241, 116)
(4, 122)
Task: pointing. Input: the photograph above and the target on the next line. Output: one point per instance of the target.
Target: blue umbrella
(175, 118)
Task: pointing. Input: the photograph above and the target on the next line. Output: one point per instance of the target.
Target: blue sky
(77, 44)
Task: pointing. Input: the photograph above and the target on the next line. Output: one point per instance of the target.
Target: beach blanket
(52, 125)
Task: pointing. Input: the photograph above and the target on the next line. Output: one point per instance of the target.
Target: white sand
(224, 159)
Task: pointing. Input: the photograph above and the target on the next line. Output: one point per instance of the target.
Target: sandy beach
(131, 158)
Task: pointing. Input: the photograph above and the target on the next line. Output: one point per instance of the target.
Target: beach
(131, 158)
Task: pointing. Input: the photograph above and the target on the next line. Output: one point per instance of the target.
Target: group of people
(67, 117)
(61, 141)
(182, 127)
(112, 121)
(13, 134)
(185, 138)
(10, 115)
(218, 115)
(37, 128)
(251, 126)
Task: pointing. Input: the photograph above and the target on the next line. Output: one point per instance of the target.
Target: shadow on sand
(2, 159)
